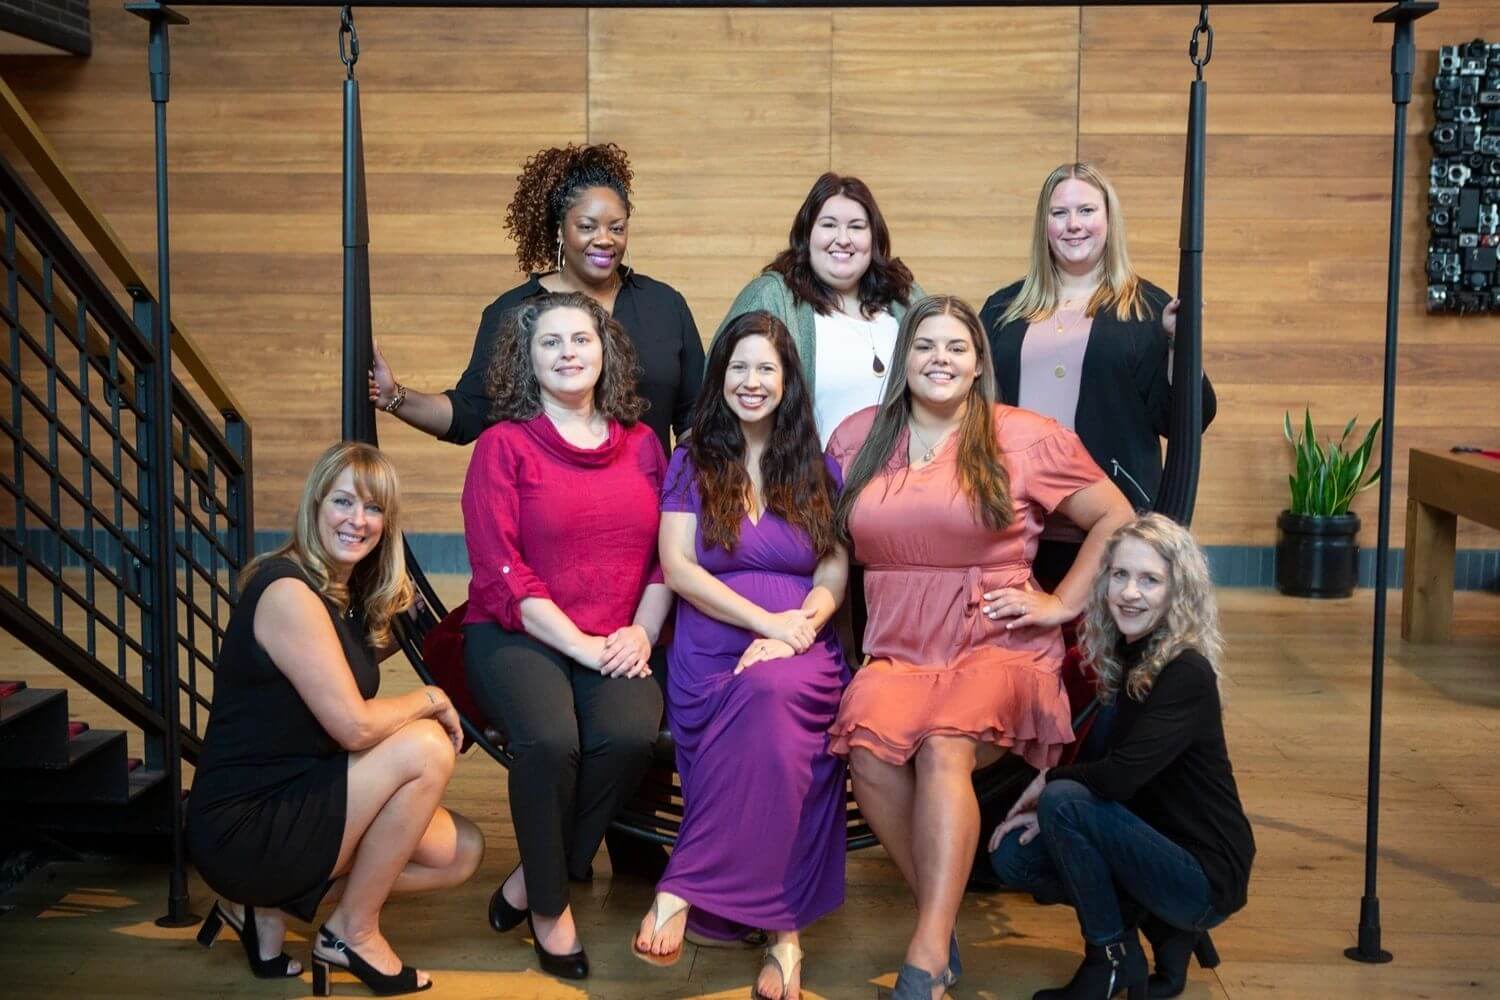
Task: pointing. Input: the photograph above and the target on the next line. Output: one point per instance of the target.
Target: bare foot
(270, 931)
(668, 938)
(769, 984)
(558, 935)
(370, 945)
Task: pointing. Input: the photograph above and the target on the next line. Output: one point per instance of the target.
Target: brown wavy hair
(379, 584)
(799, 488)
(888, 280)
(982, 475)
(549, 184)
(511, 383)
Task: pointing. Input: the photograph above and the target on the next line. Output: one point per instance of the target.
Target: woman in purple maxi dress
(755, 672)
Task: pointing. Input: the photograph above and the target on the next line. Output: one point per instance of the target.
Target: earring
(559, 257)
(625, 261)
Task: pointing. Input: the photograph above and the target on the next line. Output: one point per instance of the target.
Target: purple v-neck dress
(762, 840)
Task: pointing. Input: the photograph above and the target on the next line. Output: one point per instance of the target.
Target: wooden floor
(1297, 709)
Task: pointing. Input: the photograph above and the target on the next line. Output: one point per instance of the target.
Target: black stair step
(96, 772)
(34, 728)
(143, 813)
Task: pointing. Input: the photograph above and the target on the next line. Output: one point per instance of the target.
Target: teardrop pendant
(877, 364)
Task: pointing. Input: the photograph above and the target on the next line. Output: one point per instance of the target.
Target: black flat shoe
(574, 966)
(379, 983)
(503, 916)
(279, 967)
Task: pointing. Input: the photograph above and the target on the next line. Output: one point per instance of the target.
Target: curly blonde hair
(511, 380)
(549, 184)
(379, 583)
(1191, 620)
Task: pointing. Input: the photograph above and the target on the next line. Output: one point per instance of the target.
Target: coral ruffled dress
(937, 665)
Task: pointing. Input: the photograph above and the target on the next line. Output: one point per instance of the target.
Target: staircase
(125, 516)
(64, 775)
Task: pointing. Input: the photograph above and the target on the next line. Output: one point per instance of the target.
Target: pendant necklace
(1060, 370)
(877, 367)
(931, 450)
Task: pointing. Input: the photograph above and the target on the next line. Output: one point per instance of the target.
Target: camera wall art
(1464, 189)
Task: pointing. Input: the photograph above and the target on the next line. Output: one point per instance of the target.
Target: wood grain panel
(1297, 219)
(953, 116)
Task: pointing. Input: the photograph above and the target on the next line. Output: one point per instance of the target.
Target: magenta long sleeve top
(544, 518)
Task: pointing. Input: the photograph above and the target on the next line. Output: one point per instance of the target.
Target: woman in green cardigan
(841, 294)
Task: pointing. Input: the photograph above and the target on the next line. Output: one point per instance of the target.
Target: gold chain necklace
(931, 449)
(1060, 370)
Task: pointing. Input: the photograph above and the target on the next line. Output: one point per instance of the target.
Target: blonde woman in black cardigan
(1086, 341)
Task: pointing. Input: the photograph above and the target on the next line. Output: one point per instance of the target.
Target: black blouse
(1168, 763)
(661, 327)
(1124, 395)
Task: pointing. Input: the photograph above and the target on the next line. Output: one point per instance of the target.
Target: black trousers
(581, 743)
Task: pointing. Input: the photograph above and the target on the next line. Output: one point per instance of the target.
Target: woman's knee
(470, 848)
(867, 768)
(423, 748)
(553, 748)
(946, 755)
(1059, 799)
(1015, 863)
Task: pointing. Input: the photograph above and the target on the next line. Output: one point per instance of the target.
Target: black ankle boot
(1107, 971)
(1170, 949)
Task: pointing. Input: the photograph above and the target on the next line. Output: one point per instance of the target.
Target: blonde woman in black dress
(306, 777)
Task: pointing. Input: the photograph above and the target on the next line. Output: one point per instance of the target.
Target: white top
(846, 380)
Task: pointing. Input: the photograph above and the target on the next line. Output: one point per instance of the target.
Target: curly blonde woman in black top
(1152, 834)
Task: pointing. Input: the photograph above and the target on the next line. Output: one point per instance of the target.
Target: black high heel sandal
(574, 966)
(279, 967)
(379, 983)
(503, 916)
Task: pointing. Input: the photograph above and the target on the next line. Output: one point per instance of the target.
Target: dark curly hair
(799, 487)
(888, 280)
(510, 381)
(549, 184)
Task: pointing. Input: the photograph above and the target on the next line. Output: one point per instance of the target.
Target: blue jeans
(1108, 864)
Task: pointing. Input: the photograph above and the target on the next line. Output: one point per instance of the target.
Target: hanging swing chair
(431, 638)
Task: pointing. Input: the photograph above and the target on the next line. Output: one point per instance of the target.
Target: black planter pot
(1317, 556)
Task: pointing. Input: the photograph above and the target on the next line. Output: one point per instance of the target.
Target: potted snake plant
(1317, 537)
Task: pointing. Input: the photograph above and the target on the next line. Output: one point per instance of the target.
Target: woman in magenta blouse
(566, 598)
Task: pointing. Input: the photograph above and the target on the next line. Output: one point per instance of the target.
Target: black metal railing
(80, 580)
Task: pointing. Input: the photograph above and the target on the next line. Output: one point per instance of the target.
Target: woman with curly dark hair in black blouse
(570, 219)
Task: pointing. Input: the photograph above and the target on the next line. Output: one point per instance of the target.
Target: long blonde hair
(982, 475)
(1191, 619)
(379, 581)
(1119, 288)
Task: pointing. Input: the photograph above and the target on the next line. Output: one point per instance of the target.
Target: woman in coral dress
(945, 493)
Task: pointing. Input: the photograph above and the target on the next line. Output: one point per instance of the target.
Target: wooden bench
(1441, 488)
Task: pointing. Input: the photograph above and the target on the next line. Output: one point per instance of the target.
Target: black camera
(1463, 210)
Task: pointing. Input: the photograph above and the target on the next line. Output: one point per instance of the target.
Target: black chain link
(349, 40)
(1201, 31)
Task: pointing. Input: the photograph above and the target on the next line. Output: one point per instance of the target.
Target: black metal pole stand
(1403, 65)
(359, 354)
(163, 530)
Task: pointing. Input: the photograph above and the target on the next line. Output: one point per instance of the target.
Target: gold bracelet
(396, 400)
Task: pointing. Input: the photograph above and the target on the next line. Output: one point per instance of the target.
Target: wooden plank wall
(953, 116)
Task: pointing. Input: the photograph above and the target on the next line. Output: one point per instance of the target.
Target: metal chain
(349, 40)
(1200, 31)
